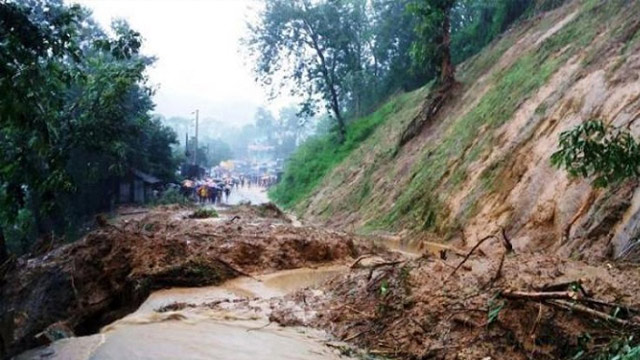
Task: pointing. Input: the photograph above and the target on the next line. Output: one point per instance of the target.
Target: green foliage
(495, 306)
(204, 213)
(345, 56)
(432, 48)
(170, 197)
(595, 150)
(74, 115)
(315, 158)
(476, 23)
(621, 348)
(384, 287)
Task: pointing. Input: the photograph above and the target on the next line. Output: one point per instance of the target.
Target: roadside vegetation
(319, 155)
(75, 115)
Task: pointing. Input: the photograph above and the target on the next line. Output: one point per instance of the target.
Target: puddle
(413, 248)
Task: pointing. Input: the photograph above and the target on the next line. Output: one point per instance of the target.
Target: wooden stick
(506, 241)
(538, 318)
(611, 305)
(356, 335)
(560, 286)
(588, 311)
(477, 245)
(536, 296)
(360, 258)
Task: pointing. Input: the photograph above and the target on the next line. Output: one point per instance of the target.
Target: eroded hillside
(484, 161)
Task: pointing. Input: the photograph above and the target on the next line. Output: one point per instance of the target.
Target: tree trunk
(342, 130)
(329, 79)
(447, 75)
(4, 255)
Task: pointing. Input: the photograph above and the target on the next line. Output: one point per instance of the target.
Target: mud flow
(199, 332)
(162, 285)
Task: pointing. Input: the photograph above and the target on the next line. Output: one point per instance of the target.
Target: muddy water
(202, 332)
(412, 248)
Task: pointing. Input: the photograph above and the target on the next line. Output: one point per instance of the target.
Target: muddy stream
(224, 331)
(202, 332)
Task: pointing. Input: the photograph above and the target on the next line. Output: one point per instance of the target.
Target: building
(137, 187)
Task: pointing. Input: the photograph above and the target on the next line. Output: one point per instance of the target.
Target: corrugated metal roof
(150, 179)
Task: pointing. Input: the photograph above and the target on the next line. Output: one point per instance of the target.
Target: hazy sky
(200, 65)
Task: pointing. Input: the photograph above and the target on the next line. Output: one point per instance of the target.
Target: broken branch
(588, 311)
(477, 245)
(536, 296)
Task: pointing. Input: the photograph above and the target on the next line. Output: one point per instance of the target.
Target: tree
(74, 115)
(265, 124)
(302, 41)
(393, 37)
(433, 47)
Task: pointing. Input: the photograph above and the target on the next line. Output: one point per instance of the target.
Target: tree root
(434, 102)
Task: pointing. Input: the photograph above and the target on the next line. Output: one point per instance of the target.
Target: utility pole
(195, 152)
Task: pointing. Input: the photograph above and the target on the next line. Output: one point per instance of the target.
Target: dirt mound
(83, 286)
(267, 210)
(417, 310)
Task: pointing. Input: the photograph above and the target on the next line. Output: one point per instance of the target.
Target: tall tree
(74, 114)
(433, 47)
(300, 41)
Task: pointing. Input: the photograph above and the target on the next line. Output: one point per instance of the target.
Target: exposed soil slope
(484, 162)
(80, 287)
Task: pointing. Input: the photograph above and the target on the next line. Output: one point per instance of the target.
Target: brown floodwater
(202, 332)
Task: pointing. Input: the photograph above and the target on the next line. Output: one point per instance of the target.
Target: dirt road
(254, 195)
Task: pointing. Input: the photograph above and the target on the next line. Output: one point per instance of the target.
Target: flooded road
(204, 332)
(255, 195)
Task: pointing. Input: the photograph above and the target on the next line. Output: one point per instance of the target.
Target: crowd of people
(218, 190)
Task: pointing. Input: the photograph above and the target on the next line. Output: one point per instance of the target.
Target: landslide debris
(526, 306)
(80, 287)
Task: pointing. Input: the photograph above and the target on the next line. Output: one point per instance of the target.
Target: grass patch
(204, 213)
(315, 159)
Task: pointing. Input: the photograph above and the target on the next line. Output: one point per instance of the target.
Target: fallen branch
(7, 265)
(424, 329)
(387, 263)
(356, 335)
(234, 218)
(566, 305)
(506, 241)
(477, 245)
(608, 304)
(360, 258)
(538, 318)
(133, 212)
(538, 296)
(567, 285)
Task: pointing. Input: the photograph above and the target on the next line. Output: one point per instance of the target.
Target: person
(202, 193)
(211, 188)
(219, 191)
(227, 192)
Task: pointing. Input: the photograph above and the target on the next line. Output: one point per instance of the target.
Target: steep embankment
(483, 162)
